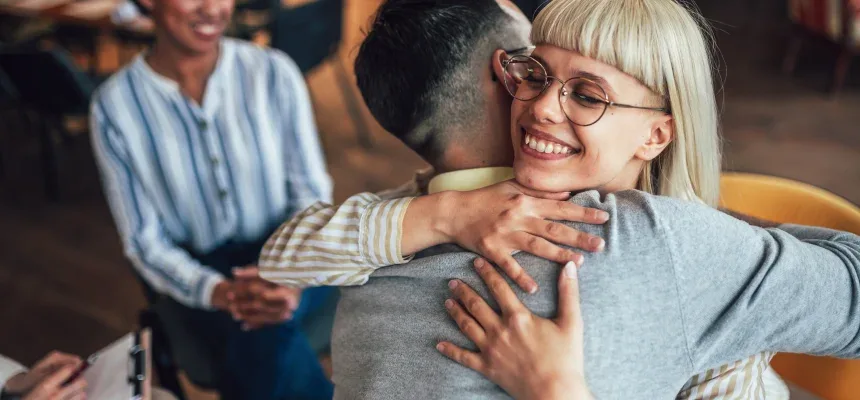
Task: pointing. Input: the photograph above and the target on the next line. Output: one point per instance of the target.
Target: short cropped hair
(419, 67)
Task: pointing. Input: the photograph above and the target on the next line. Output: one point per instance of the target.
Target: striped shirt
(344, 245)
(180, 175)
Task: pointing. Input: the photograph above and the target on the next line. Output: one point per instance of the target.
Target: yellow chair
(783, 200)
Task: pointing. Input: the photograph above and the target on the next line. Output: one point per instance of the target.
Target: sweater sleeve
(743, 289)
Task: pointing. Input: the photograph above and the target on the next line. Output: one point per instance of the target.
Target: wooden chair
(833, 20)
(788, 201)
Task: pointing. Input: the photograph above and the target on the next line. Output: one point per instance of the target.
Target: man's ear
(661, 136)
(497, 70)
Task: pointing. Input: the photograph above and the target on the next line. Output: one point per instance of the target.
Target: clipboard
(122, 369)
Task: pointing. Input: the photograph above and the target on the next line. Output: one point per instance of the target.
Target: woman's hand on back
(528, 356)
(501, 219)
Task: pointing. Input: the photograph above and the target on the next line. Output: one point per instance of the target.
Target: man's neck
(189, 71)
(461, 157)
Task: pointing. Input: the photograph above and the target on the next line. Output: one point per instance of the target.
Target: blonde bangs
(611, 32)
(667, 47)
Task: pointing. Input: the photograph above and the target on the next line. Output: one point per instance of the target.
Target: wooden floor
(66, 285)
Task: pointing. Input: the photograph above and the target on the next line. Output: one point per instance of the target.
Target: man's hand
(504, 218)
(257, 302)
(25, 382)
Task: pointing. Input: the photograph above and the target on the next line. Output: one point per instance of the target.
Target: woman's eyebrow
(580, 74)
(542, 62)
(597, 79)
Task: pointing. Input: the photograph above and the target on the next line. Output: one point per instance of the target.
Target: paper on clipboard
(107, 378)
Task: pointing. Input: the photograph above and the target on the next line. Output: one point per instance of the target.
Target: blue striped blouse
(178, 174)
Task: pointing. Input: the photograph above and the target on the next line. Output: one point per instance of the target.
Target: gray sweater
(681, 288)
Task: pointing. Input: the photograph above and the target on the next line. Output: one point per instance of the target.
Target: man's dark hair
(419, 67)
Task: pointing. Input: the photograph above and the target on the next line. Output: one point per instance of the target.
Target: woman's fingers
(569, 310)
(462, 356)
(513, 270)
(567, 211)
(498, 286)
(556, 232)
(467, 323)
(545, 249)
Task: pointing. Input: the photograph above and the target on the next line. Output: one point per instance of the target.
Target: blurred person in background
(205, 144)
(44, 381)
(47, 379)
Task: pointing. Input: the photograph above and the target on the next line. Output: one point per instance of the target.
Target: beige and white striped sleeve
(742, 380)
(328, 245)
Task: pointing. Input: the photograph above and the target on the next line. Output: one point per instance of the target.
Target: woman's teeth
(547, 147)
(206, 29)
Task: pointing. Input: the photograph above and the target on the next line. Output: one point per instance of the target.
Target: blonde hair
(665, 46)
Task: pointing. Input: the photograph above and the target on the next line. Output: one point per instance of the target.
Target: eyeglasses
(583, 100)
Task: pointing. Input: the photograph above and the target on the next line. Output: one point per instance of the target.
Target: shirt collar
(213, 84)
(469, 179)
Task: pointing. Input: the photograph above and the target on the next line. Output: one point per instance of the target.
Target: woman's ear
(661, 136)
(497, 70)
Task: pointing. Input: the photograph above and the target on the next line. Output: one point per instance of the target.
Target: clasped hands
(255, 301)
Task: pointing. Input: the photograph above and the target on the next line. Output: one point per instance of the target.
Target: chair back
(309, 33)
(787, 201)
(47, 80)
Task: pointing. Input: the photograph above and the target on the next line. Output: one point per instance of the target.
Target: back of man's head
(420, 67)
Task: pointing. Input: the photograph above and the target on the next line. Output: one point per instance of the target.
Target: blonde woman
(680, 288)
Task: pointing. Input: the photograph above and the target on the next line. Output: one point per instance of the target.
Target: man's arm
(744, 289)
(761, 223)
(166, 267)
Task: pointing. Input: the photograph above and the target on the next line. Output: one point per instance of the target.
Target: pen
(80, 370)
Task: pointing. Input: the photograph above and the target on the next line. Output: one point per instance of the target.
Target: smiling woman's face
(553, 154)
(194, 26)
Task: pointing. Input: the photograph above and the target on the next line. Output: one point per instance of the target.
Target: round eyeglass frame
(564, 93)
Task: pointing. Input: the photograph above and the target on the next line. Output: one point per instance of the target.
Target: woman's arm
(338, 245)
(165, 266)
(343, 245)
(500, 220)
(528, 356)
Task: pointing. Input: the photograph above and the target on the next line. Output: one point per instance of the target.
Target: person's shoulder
(111, 96)
(637, 201)
(639, 212)
(114, 85)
